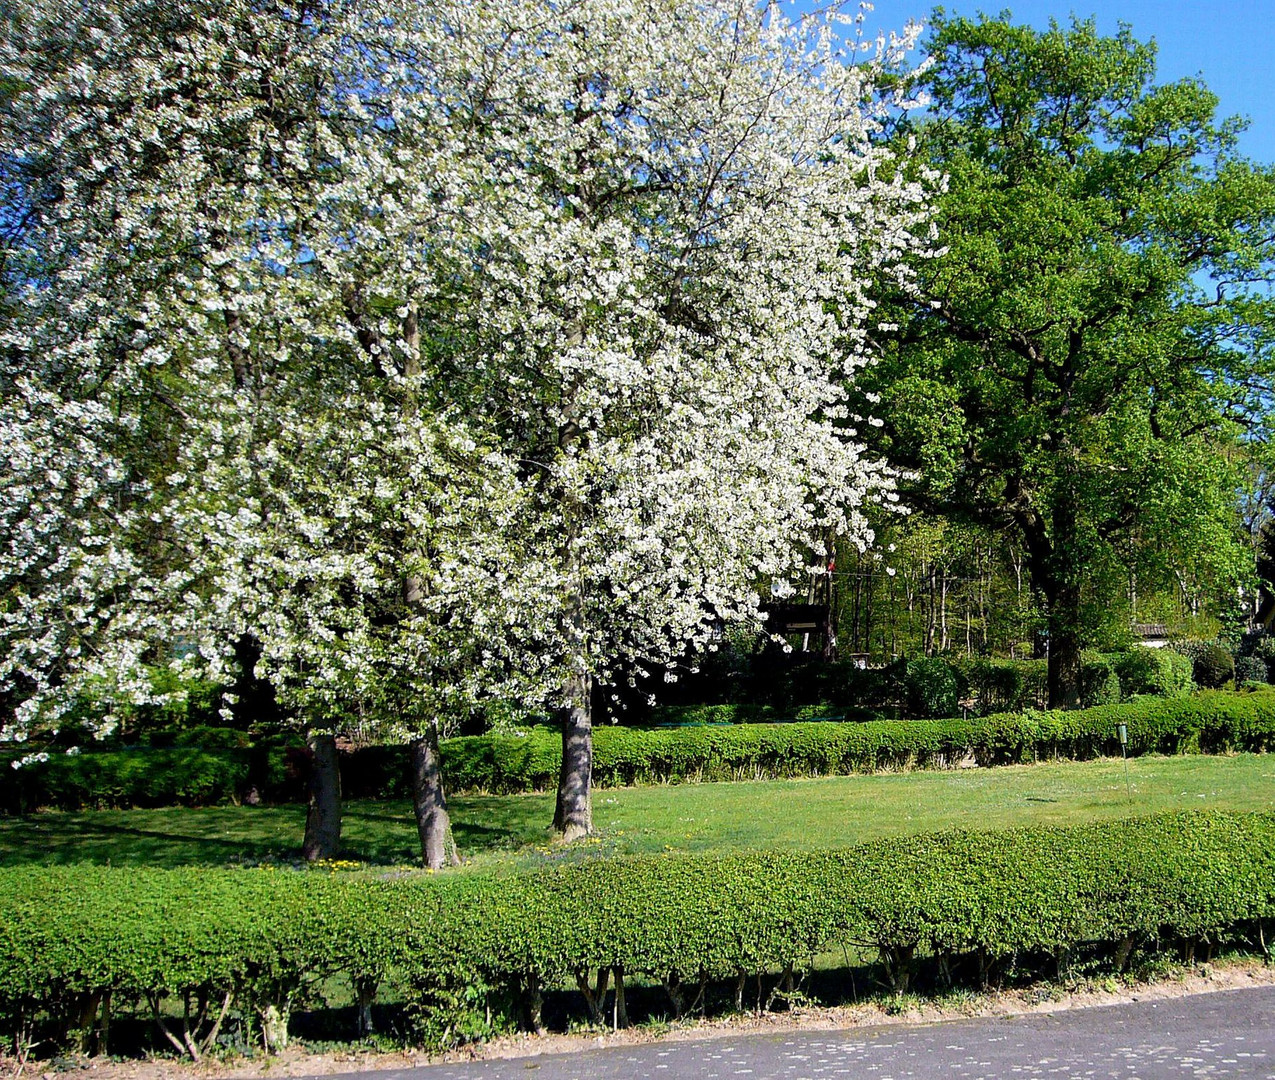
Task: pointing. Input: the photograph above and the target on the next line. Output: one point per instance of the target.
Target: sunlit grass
(512, 829)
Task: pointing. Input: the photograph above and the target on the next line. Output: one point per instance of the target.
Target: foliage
(70, 934)
(1099, 683)
(694, 715)
(564, 329)
(1251, 669)
(1003, 685)
(1209, 722)
(930, 687)
(178, 776)
(530, 760)
(1214, 666)
(503, 832)
(1096, 325)
(1153, 671)
(1264, 650)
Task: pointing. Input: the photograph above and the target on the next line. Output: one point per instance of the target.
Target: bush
(1153, 671)
(1191, 648)
(1099, 683)
(1214, 667)
(930, 687)
(1264, 650)
(529, 760)
(1250, 669)
(204, 737)
(1206, 721)
(1004, 685)
(696, 715)
(177, 776)
(473, 951)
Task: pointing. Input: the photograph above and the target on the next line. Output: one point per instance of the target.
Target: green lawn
(834, 811)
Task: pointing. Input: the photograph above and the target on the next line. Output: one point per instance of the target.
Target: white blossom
(450, 349)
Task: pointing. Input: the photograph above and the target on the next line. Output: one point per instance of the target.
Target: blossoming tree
(452, 351)
(663, 200)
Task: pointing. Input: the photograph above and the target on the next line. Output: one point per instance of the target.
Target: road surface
(1224, 1034)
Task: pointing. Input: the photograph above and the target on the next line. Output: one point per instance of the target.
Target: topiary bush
(931, 688)
(1214, 667)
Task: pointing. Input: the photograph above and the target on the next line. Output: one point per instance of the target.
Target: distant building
(1151, 635)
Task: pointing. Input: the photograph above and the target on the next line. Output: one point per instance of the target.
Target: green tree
(1083, 353)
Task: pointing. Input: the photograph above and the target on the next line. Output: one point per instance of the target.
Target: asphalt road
(1225, 1034)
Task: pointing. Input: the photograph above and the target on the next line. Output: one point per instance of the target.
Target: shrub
(203, 737)
(696, 715)
(1250, 669)
(529, 760)
(1264, 650)
(1099, 683)
(1005, 685)
(1153, 671)
(472, 951)
(930, 687)
(1191, 648)
(177, 776)
(1214, 667)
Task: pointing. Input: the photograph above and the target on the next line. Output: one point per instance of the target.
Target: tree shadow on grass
(379, 833)
(54, 839)
(385, 833)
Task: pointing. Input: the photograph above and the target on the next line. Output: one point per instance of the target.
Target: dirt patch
(1044, 998)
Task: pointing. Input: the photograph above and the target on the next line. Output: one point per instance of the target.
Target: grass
(505, 830)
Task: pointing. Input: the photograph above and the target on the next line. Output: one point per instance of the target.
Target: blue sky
(1230, 44)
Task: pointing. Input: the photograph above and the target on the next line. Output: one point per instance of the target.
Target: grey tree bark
(438, 848)
(573, 814)
(323, 818)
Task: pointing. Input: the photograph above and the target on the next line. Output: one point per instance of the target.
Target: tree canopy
(450, 351)
(1079, 366)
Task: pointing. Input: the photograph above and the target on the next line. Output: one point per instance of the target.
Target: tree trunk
(323, 819)
(438, 849)
(1062, 585)
(573, 816)
(944, 641)
(1064, 646)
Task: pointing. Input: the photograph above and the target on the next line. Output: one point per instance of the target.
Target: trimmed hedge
(473, 952)
(1207, 722)
(176, 776)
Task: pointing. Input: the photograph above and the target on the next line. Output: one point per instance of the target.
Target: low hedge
(180, 775)
(1207, 722)
(472, 952)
